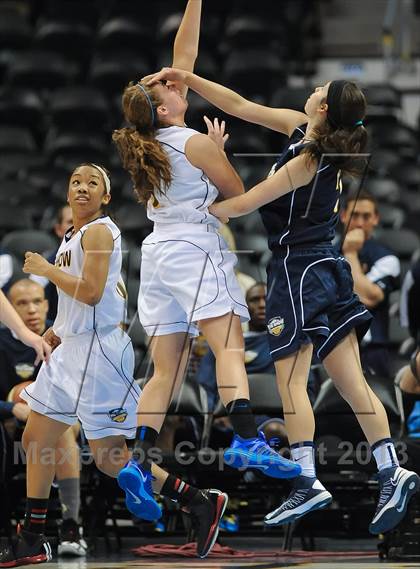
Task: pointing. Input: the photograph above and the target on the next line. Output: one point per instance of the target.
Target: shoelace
(385, 493)
(294, 499)
(261, 446)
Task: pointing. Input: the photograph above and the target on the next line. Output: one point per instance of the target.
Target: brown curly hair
(141, 153)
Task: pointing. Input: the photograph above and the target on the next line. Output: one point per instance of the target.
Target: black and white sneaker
(27, 549)
(307, 495)
(71, 540)
(207, 509)
(397, 486)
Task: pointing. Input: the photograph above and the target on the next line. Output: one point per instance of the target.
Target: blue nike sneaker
(137, 485)
(307, 495)
(397, 486)
(256, 453)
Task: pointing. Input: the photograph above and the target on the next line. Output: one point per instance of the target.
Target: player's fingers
(216, 123)
(208, 123)
(222, 127)
(225, 138)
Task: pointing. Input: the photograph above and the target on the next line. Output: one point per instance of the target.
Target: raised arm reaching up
(186, 41)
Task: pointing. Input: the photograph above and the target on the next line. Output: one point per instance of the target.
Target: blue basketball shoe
(256, 453)
(397, 486)
(308, 494)
(137, 485)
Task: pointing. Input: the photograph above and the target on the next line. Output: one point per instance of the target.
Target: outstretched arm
(295, 174)
(186, 41)
(281, 120)
(12, 320)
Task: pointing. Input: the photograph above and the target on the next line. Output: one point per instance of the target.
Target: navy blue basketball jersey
(306, 215)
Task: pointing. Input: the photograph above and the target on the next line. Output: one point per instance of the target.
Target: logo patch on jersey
(64, 259)
(250, 356)
(25, 371)
(276, 326)
(118, 415)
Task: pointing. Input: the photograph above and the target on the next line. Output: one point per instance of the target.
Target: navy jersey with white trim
(382, 267)
(306, 215)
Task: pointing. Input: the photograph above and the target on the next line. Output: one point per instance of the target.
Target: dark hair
(106, 209)
(141, 153)
(255, 285)
(343, 140)
(60, 214)
(359, 196)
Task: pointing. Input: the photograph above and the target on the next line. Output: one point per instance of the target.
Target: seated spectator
(257, 360)
(6, 270)
(245, 281)
(408, 378)
(17, 366)
(376, 272)
(64, 221)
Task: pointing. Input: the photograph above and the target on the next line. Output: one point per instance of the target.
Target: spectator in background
(64, 221)
(408, 378)
(245, 281)
(376, 272)
(6, 269)
(16, 366)
(257, 360)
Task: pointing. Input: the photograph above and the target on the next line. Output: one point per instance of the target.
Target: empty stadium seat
(69, 149)
(83, 108)
(402, 241)
(120, 33)
(385, 189)
(41, 71)
(246, 29)
(15, 29)
(383, 161)
(14, 192)
(13, 217)
(22, 107)
(291, 98)
(391, 216)
(18, 242)
(72, 39)
(132, 219)
(253, 70)
(408, 175)
(385, 96)
(109, 74)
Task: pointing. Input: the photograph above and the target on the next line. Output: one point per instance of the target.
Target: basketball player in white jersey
(90, 374)
(187, 276)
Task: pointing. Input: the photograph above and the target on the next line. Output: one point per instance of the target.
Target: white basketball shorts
(187, 275)
(89, 377)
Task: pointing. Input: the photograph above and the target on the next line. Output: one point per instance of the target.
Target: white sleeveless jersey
(191, 192)
(75, 317)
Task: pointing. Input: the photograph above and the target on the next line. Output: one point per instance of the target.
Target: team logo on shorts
(276, 326)
(118, 415)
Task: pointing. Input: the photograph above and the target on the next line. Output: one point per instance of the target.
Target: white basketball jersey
(191, 192)
(75, 317)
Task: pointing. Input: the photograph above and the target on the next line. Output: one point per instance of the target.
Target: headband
(149, 100)
(335, 91)
(105, 176)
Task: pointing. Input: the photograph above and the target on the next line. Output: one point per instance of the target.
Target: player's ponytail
(141, 153)
(343, 135)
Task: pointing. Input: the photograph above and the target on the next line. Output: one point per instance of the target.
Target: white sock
(304, 454)
(384, 453)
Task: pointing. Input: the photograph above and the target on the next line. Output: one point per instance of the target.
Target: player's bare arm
(186, 41)
(295, 174)
(281, 120)
(97, 245)
(204, 153)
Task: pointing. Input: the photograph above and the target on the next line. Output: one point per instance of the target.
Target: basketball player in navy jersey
(311, 306)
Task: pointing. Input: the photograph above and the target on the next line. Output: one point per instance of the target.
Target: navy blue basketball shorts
(310, 299)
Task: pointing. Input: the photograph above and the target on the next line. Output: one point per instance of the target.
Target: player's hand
(21, 411)
(216, 131)
(166, 74)
(35, 264)
(216, 209)
(354, 241)
(51, 338)
(43, 350)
